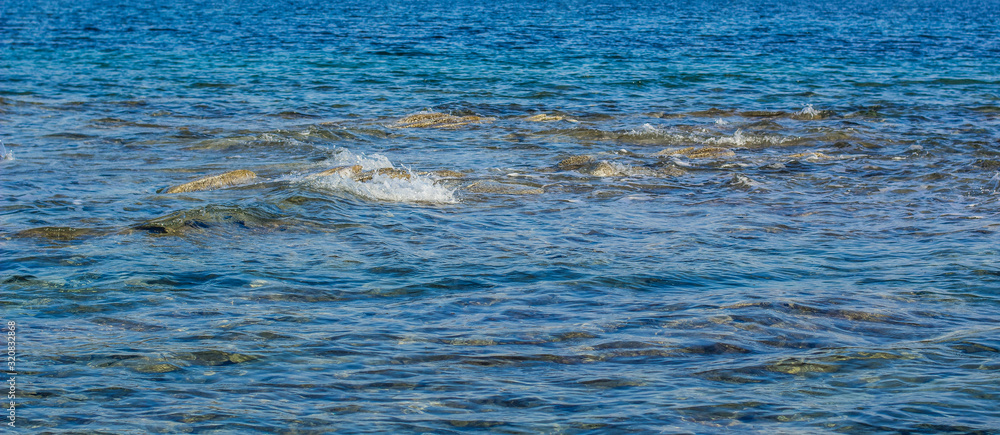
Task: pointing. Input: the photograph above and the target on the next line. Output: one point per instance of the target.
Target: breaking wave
(400, 186)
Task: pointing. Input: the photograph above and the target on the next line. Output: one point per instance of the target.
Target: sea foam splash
(381, 187)
(808, 112)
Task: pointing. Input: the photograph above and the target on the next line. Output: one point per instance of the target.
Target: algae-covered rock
(238, 358)
(229, 179)
(62, 234)
(216, 357)
(438, 120)
(698, 153)
(200, 219)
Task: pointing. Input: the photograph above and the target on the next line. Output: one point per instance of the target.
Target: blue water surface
(551, 217)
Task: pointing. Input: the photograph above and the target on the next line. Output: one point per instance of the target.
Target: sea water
(622, 216)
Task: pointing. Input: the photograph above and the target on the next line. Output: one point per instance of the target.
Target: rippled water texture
(674, 217)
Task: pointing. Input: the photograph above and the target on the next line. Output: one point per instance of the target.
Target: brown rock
(502, 189)
(229, 179)
(399, 174)
(601, 169)
(544, 117)
(344, 171)
(446, 173)
(574, 162)
(438, 120)
(810, 156)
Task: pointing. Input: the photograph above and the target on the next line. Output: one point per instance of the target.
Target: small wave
(739, 139)
(740, 181)
(344, 157)
(649, 133)
(808, 112)
(387, 188)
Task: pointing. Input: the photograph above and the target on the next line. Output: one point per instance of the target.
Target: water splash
(380, 187)
(4, 154)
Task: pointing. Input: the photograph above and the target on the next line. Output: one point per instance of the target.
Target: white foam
(381, 187)
(740, 180)
(385, 188)
(344, 157)
(649, 131)
(743, 140)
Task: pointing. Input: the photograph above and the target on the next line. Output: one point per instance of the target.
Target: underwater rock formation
(601, 169)
(399, 174)
(502, 188)
(698, 153)
(811, 156)
(61, 234)
(447, 173)
(356, 173)
(439, 120)
(587, 165)
(344, 171)
(574, 162)
(544, 117)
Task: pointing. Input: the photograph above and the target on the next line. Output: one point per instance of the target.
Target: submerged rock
(200, 219)
(698, 153)
(711, 113)
(544, 117)
(215, 357)
(601, 169)
(447, 173)
(439, 120)
(810, 156)
(344, 171)
(156, 368)
(587, 165)
(399, 174)
(62, 234)
(502, 188)
(762, 114)
(229, 179)
(574, 162)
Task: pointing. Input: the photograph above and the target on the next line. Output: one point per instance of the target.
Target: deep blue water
(691, 217)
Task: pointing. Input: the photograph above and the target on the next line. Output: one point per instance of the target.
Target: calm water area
(501, 217)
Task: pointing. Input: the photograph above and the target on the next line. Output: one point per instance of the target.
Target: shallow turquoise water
(781, 217)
